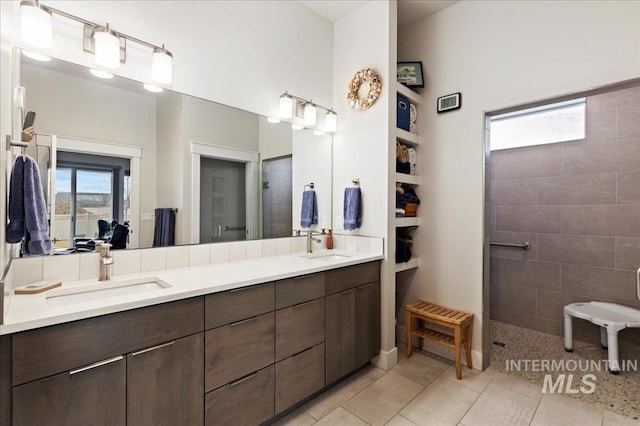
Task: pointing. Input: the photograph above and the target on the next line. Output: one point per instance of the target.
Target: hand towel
(412, 128)
(352, 208)
(28, 217)
(413, 156)
(165, 227)
(413, 113)
(309, 213)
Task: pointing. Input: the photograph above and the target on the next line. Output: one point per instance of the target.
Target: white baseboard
(476, 356)
(387, 359)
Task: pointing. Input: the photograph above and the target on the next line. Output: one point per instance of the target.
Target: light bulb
(152, 88)
(162, 66)
(297, 127)
(273, 120)
(286, 106)
(36, 24)
(330, 121)
(318, 132)
(107, 47)
(101, 74)
(36, 56)
(309, 114)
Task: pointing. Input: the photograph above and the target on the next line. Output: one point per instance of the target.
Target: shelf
(408, 93)
(407, 221)
(408, 138)
(413, 263)
(405, 178)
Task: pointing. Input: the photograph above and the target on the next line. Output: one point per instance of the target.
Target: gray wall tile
(628, 253)
(600, 283)
(514, 298)
(514, 191)
(544, 219)
(580, 159)
(514, 238)
(628, 123)
(527, 162)
(601, 125)
(542, 275)
(628, 188)
(550, 303)
(580, 189)
(577, 249)
(531, 322)
(621, 220)
(618, 99)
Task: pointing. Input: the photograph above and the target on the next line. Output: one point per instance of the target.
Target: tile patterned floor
(423, 390)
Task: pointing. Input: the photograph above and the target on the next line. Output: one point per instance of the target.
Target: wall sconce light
(108, 46)
(309, 116)
(36, 24)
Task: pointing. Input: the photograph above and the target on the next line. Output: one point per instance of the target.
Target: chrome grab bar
(524, 246)
(229, 228)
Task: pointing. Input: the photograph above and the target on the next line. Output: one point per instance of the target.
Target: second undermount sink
(104, 289)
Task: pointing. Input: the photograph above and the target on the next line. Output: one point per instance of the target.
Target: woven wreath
(365, 75)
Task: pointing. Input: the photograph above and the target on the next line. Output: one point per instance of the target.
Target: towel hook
(356, 182)
(311, 185)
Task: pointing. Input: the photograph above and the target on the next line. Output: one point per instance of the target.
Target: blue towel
(165, 227)
(309, 213)
(27, 209)
(352, 208)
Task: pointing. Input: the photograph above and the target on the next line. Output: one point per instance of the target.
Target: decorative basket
(410, 209)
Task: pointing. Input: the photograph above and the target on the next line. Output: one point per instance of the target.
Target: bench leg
(420, 339)
(468, 347)
(409, 320)
(614, 365)
(603, 337)
(458, 350)
(568, 333)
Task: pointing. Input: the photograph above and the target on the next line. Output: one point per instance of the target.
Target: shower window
(551, 123)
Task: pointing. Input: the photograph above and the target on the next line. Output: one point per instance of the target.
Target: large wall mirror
(111, 153)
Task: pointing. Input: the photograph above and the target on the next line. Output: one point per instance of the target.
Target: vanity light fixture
(152, 88)
(108, 45)
(36, 24)
(36, 56)
(307, 110)
(286, 106)
(273, 120)
(101, 74)
(309, 114)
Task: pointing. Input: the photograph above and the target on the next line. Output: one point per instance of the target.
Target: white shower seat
(610, 317)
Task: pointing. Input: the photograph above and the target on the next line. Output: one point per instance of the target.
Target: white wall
(239, 53)
(81, 108)
(362, 144)
(6, 98)
(498, 54)
(274, 139)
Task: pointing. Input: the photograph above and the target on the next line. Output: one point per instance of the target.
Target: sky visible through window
(87, 181)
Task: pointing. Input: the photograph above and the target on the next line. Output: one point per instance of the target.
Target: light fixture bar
(306, 101)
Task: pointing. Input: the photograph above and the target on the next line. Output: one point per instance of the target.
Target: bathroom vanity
(226, 355)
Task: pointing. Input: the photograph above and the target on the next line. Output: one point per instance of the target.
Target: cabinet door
(299, 327)
(165, 383)
(299, 376)
(340, 338)
(367, 323)
(91, 395)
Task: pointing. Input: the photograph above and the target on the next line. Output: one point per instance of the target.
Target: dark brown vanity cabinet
(353, 318)
(136, 367)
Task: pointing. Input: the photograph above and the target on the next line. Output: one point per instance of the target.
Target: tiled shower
(578, 204)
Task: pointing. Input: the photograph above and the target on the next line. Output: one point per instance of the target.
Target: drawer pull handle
(302, 352)
(236, 290)
(244, 321)
(302, 304)
(95, 365)
(346, 293)
(153, 348)
(244, 379)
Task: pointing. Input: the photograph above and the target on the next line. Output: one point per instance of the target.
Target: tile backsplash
(84, 266)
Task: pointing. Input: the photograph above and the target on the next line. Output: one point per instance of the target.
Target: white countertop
(27, 312)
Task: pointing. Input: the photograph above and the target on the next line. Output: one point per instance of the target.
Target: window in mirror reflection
(91, 196)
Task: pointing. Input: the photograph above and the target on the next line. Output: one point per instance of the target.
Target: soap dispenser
(330, 239)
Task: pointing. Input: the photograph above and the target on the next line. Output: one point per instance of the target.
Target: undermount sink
(328, 257)
(104, 289)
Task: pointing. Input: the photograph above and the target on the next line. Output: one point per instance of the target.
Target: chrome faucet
(106, 262)
(310, 241)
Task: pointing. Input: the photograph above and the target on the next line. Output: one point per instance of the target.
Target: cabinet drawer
(235, 305)
(299, 376)
(93, 395)
(299, 327)
(238, 349)
(342, 279)
(299, 290)
(50, 350)
(247, 401)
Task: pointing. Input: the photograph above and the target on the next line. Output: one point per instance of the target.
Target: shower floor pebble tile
(434, 397)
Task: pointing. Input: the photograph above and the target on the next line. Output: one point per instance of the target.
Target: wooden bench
(460, 322)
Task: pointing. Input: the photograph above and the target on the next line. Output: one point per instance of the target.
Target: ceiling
(408, 10)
